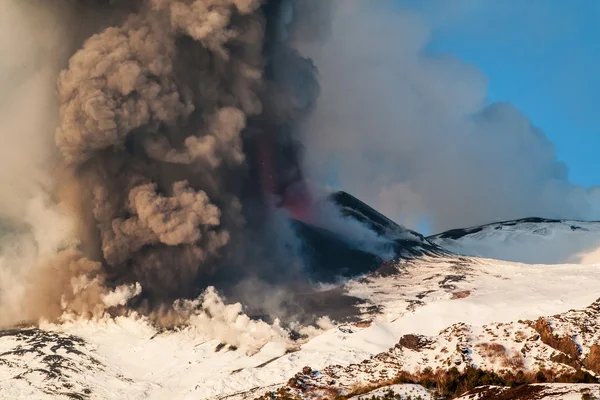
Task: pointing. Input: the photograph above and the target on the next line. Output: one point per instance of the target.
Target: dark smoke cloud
(169, 112)
(152, 119)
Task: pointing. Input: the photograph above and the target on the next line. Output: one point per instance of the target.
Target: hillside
(450, 302)
(530, 240)
(422, 310)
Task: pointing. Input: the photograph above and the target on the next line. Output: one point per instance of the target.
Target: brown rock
(592, 361)
(413, 342)
(461, 295)
(363, 324)
(565, 345)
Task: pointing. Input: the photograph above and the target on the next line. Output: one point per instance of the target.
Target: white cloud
(412, 133)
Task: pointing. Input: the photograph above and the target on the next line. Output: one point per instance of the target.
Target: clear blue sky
(541, 55)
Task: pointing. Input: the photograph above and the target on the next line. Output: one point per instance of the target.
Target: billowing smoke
(412, 134)
(174, 134)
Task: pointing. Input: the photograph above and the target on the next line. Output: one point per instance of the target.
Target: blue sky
(541, 55)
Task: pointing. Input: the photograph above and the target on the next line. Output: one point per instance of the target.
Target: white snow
(530, 242)
(557, 391)
(403, 391)
(506, 292)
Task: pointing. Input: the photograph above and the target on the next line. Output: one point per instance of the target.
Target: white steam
(411, 134)
(33, 225)
(43, 231)
(210, 318)
(27, 101)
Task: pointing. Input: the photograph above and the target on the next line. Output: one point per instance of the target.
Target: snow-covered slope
(421, 296)
(563, 344)
(547, 391)
(530, 240)
(404, 391)
(428, 307)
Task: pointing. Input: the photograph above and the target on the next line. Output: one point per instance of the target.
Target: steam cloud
(412, 134)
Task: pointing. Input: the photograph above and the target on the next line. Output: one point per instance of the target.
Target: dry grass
(514, 361)
(520, 336)
(492, 350)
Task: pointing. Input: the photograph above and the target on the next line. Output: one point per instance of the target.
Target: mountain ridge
(529, 240)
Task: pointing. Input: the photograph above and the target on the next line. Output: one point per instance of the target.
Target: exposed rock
(461, 295)
(592, 361)
(413, 342)
(363, 324)
(562, 344)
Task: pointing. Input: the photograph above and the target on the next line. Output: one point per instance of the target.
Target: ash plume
(167, 113)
